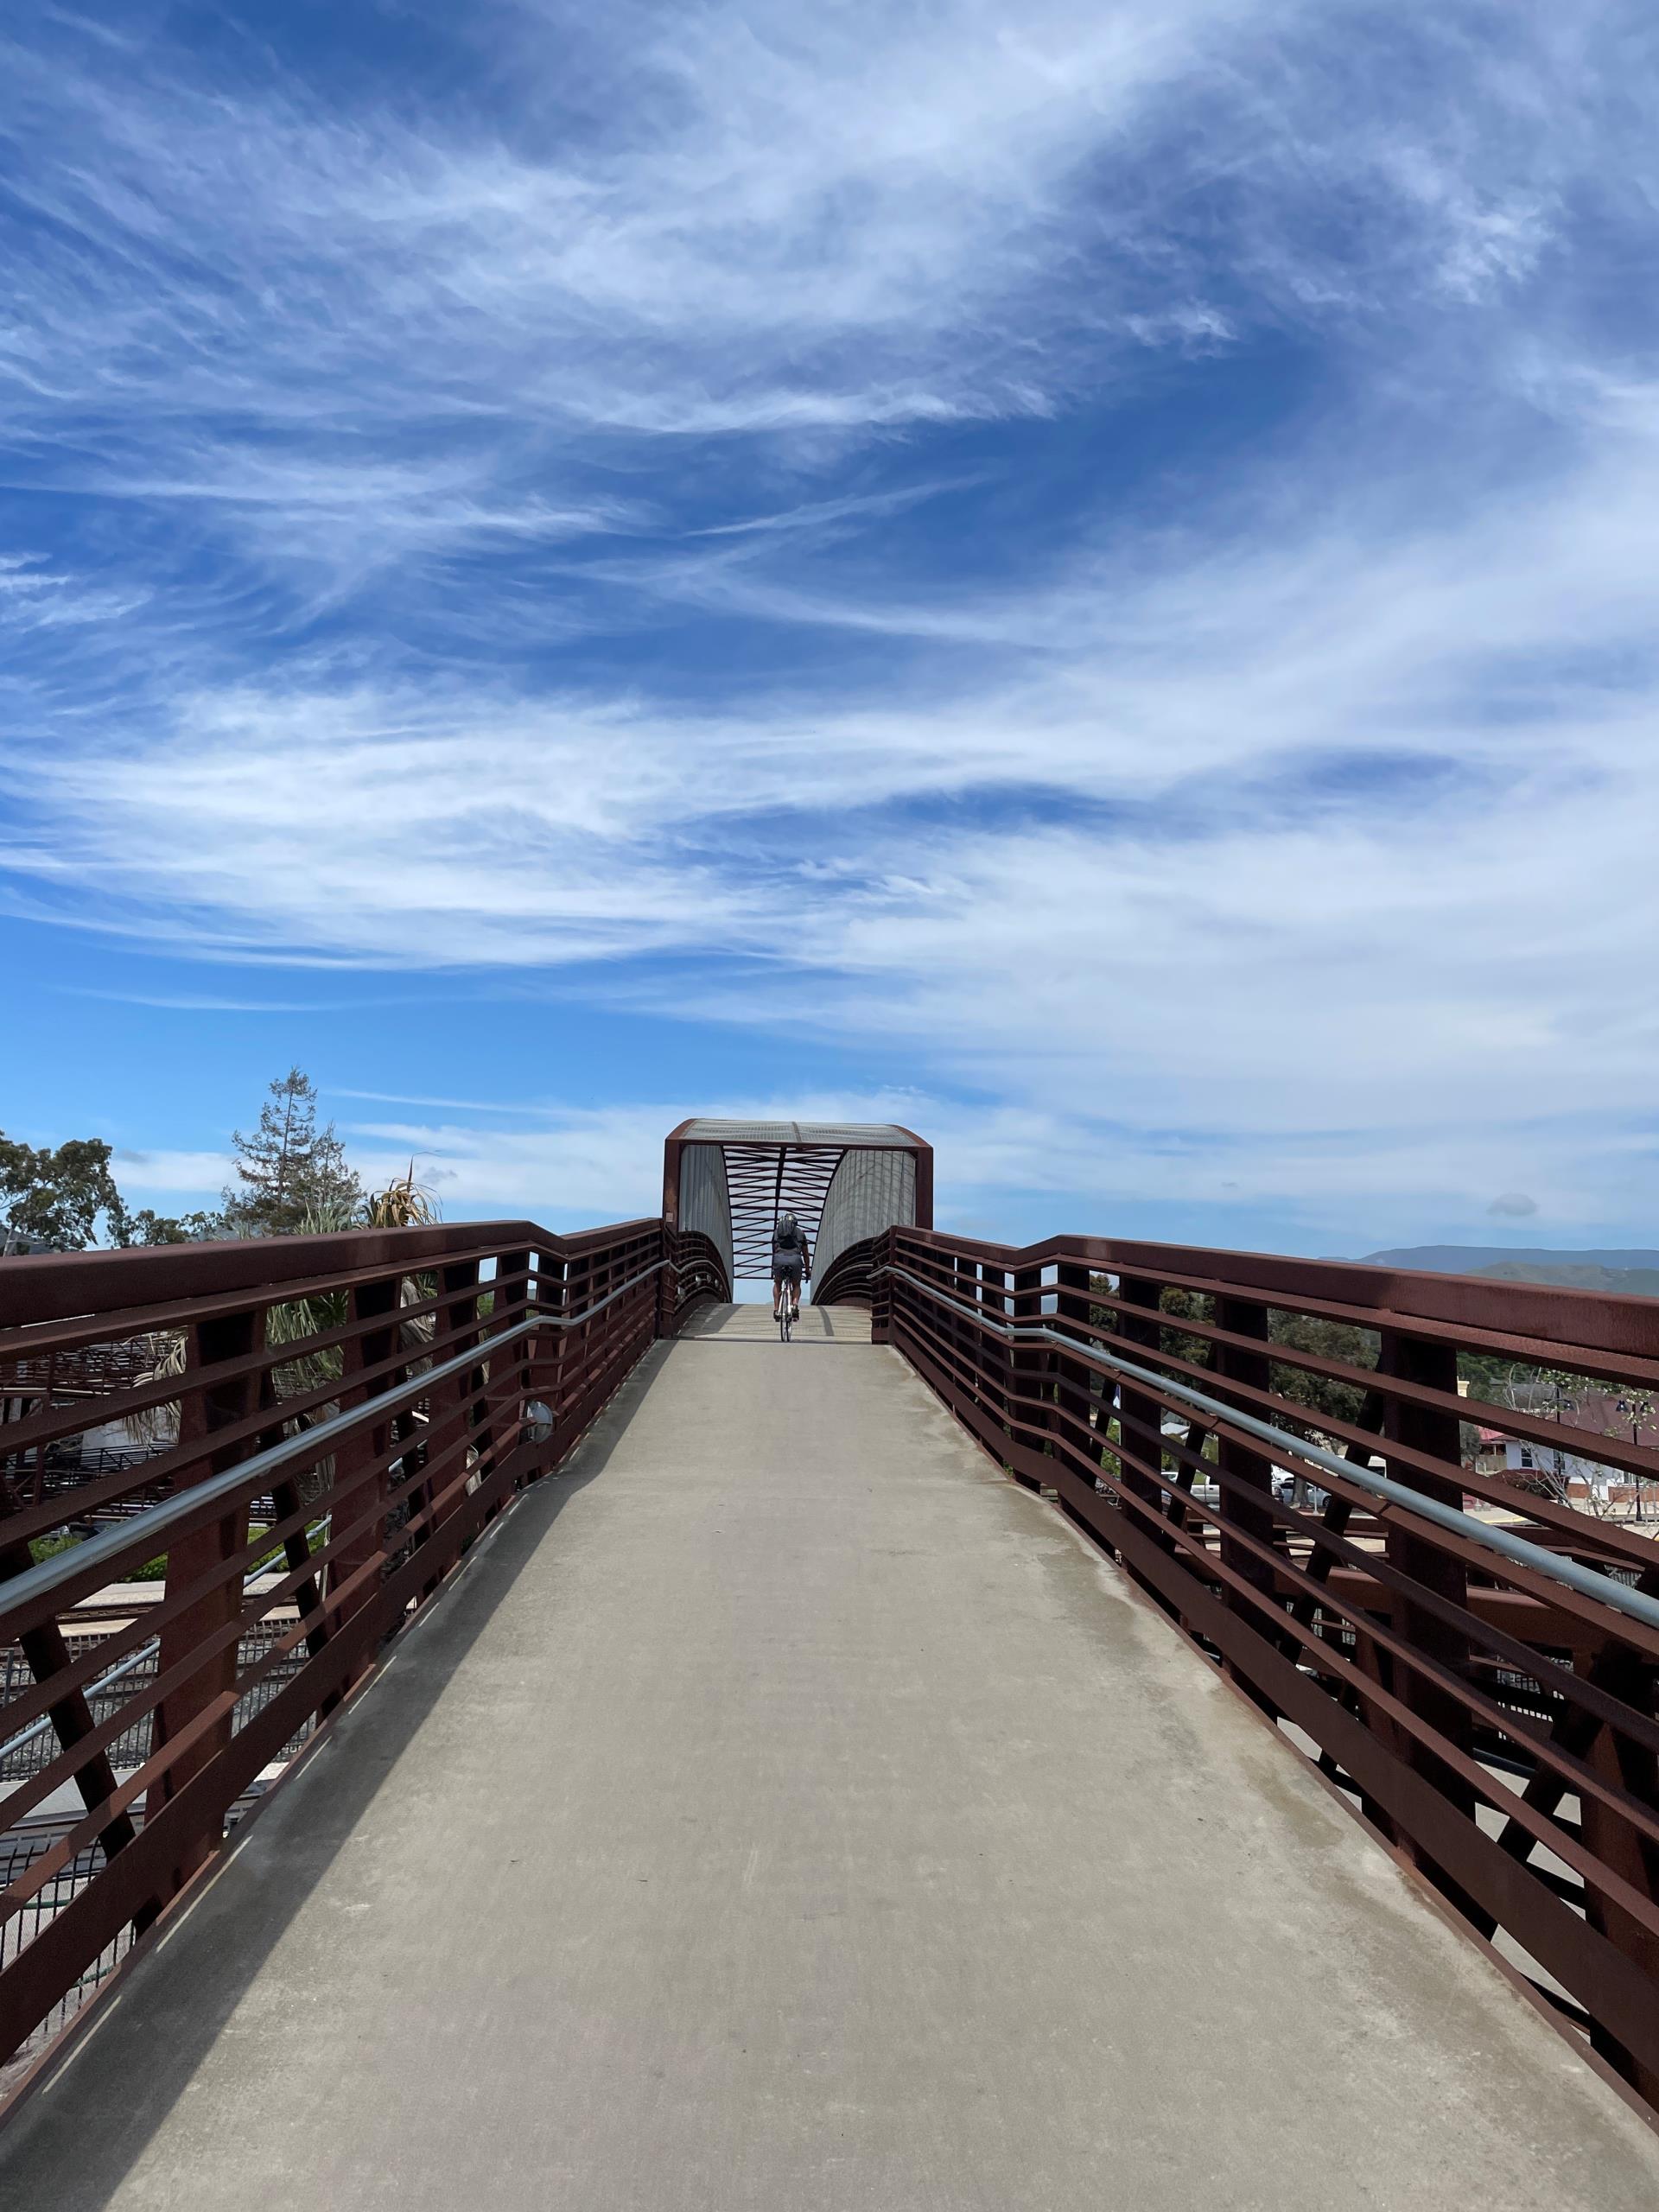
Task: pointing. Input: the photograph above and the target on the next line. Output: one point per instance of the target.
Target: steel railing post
(204, 1408)
(509, 1376)
(1247, 1468)
(1029, 1366)
(553, 1286)
(1075, 1385)
(883, 1256)
(1633, 1769)
(456, 1408)
(1415, 1429)
(667, 1284)
(1140, 1417)
(357, 1497)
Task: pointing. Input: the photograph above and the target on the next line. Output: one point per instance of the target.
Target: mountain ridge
(1632, 1273)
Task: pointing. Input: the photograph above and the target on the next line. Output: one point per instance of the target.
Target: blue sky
(1082, 577)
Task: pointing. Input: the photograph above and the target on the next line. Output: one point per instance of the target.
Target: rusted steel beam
(1245, 1465)
(52, 1286)
(1537, 1316)
(1430, 1565)
(61, 1699)
(170, 1466)
(115, 1329)
(1593, 1538)
(201, 1555)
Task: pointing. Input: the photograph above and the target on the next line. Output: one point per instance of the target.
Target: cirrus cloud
(1111, 550)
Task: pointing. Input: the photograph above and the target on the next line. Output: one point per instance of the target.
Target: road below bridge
(784, 1811)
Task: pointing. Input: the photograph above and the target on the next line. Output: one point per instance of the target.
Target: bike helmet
(786, 1226)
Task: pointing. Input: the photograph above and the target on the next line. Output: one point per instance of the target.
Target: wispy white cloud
(197, 1002)
(515, 1107)
(820, 514)
(1299, 923)
(36, 595)
(375, 333)
(1294, 803)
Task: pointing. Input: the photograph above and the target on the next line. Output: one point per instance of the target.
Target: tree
(56, 1198)
(291, 1177)
(1324, 1394)
(148, 1227)
(1337, 1341)
(289, 1172)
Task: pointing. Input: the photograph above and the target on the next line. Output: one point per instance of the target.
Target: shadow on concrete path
(139, 2060)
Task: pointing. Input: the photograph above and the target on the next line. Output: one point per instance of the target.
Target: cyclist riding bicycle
(790, 1262)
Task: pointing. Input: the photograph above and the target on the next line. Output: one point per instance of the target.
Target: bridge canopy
(843, 1181)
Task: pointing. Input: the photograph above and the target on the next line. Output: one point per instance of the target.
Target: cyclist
(790, 1262)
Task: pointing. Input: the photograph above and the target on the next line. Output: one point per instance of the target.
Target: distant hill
(1632, 1273)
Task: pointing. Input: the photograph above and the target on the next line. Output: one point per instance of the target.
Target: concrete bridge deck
(784, 1811)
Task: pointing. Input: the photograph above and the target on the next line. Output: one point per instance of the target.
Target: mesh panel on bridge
(842, 1181)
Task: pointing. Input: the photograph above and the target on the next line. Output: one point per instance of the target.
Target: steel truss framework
(774, 1168)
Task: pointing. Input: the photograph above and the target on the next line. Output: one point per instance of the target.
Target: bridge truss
(845, 1182)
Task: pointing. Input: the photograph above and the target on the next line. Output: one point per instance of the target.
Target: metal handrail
(1603, 1588)
(157, 1520)
(136, 1659)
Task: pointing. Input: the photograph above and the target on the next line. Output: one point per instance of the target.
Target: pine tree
(289, 1172)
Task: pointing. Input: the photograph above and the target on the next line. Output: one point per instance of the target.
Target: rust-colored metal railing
(1273, 1449)
(331, 1422)
(850, 1279)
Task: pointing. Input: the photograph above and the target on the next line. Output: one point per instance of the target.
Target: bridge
(1071, 1728)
